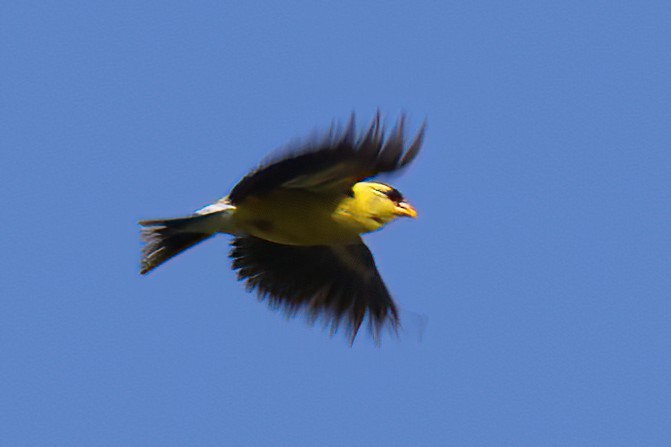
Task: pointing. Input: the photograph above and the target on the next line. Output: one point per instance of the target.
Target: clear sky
(541, 256)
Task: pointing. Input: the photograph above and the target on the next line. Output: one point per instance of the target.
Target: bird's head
(381, 203)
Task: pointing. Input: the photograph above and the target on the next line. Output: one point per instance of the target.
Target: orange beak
(405, 209)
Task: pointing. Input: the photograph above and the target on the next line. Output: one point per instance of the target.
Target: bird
(296, 223)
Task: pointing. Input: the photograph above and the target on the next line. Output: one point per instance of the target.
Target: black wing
(340, 285)
(334, 162)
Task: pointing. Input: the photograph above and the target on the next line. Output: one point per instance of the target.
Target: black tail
(167, 238)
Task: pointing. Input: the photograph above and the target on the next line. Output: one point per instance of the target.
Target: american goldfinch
(297, 222)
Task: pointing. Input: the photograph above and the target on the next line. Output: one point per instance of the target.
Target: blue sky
(540, 258)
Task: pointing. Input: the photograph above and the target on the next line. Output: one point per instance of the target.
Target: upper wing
(334, 162)
(339, 284)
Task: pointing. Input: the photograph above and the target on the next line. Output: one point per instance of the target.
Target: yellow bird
(297, 222)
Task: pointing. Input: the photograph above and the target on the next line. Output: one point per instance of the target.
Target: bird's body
(297, 217)
(297, 224)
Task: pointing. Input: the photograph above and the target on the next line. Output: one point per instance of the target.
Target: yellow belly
(298, 217)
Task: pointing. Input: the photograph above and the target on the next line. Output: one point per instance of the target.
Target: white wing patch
(220, 205)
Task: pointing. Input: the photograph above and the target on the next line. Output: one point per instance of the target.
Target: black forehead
(393, 193)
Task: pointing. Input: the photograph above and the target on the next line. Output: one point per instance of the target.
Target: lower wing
(338, 284)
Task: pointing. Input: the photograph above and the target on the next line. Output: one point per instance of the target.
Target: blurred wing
(340, 285)
(334, 162)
